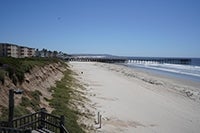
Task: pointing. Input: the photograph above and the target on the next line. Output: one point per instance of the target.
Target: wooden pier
(183, 61)
(94, 59)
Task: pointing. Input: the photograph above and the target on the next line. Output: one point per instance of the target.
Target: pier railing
(40, 120)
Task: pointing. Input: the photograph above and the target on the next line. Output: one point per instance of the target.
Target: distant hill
(95, 56)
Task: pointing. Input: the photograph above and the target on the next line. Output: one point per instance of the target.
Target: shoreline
(134, 101)
(166, 73)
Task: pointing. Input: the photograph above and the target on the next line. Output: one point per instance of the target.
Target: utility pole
(11, 107)
(12, 104)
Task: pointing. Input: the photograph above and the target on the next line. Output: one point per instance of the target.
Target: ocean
(189, 72)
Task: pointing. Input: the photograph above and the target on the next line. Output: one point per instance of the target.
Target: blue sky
(164, 28)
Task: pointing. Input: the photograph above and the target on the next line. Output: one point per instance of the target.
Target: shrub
(2, 76)
(60, 102)
(20, 75)
(33, 102)
(10, 71)
(17, 67)
(25, 101)
(14, 80)
(20, 110)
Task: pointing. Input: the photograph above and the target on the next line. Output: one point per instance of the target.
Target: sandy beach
(133, 101)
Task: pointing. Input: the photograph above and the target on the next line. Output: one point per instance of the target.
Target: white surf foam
(174, 68)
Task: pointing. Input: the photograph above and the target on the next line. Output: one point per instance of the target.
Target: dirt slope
(39, 78)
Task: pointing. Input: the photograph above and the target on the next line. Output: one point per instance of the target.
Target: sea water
(188, 72)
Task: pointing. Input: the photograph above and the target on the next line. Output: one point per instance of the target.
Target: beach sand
(134, 101)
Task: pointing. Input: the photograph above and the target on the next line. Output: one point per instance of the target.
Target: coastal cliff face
(39, 79)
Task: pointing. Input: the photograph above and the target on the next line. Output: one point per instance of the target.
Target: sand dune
(134, 101)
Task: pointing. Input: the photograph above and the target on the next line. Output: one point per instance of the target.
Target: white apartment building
(12, 50)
